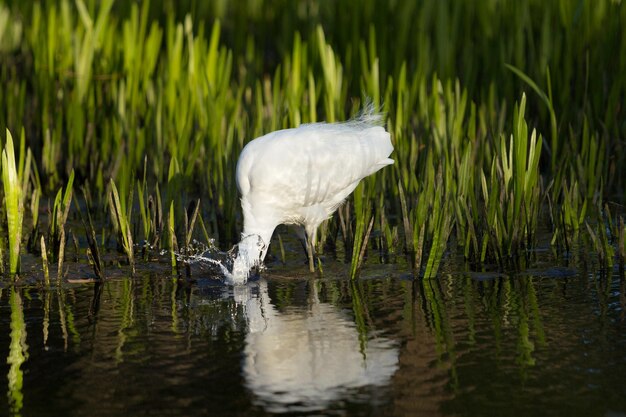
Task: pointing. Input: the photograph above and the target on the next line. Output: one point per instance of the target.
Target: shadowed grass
(121, 213)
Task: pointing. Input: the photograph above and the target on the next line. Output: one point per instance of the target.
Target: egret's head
(246, 255)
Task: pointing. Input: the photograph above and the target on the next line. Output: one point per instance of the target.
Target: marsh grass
(151, 214)
(15, 178)
(12, 200)
(121, 214)
(622, 243)
(364, 222)
(93, 250)
(153, 100)
(44, 261)
(56, 231)
(511, 197)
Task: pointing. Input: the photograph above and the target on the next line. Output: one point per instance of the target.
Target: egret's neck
(260, 221)
(258, 227)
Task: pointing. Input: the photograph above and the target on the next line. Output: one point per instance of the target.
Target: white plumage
(300, 176)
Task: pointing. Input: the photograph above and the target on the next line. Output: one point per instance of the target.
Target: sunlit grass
(15, 177)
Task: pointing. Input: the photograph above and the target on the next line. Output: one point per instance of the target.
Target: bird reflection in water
(303, 359)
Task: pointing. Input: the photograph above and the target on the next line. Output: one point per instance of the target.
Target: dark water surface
(547, 342)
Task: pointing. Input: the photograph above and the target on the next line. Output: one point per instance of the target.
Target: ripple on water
(545, 343)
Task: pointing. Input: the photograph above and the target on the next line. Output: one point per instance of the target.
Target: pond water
(550, 341)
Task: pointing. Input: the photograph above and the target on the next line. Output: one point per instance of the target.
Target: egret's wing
(313, 164)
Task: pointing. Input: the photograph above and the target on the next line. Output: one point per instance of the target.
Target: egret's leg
(302, 237)
(308, 238)
(309, 247)
(312, 237)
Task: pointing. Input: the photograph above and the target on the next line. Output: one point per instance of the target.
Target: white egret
(301, 176)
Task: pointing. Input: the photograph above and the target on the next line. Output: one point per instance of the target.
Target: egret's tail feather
(370, 115)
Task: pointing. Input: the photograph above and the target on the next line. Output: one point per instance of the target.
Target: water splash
(235, 265)
(207, 257)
